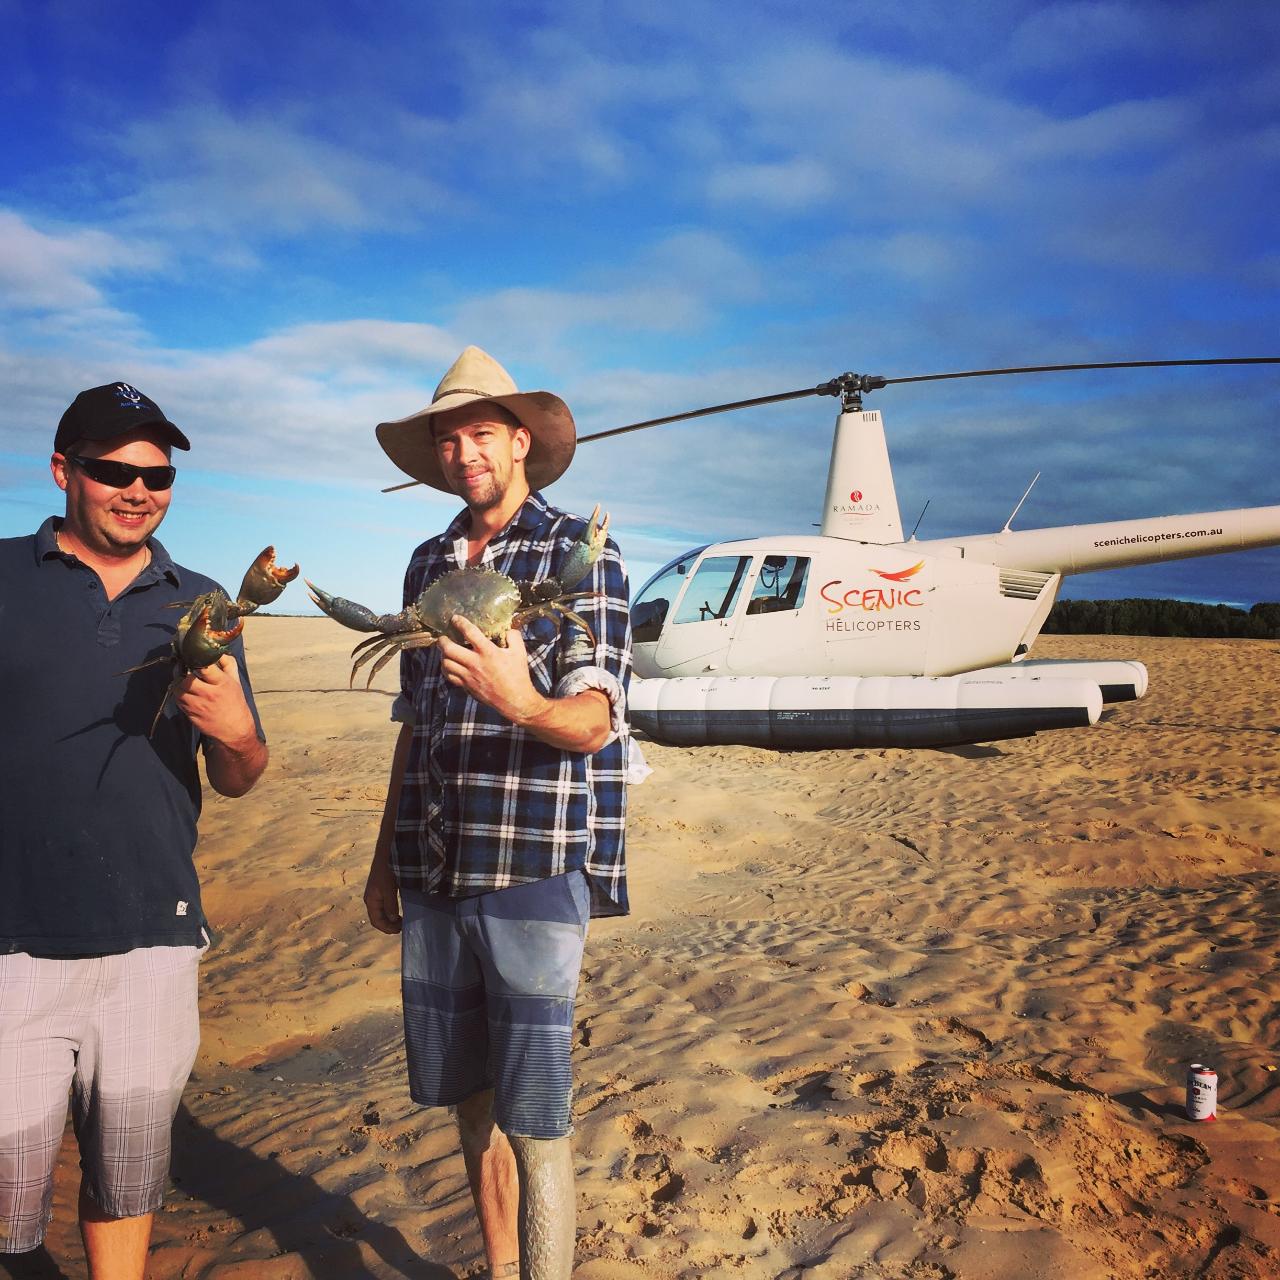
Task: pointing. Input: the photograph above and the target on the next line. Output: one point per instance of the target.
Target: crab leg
(552, 608)
(391, 652)
(371, 648)
(382, 648)
(582, 622)
(371, 643)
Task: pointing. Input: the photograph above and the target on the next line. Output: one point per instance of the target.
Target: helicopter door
(770, 636)
(694, 639)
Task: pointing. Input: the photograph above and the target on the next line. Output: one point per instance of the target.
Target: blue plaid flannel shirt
(484, 804)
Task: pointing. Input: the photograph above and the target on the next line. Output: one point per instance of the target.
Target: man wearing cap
(100, 919)
(502, 833)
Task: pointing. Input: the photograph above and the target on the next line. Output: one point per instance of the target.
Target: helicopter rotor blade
(702, 413)
(1068, 368)
(854, 382)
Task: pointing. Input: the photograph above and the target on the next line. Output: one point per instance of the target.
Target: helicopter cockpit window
(779, 585)
(653, 603)
(714, 589)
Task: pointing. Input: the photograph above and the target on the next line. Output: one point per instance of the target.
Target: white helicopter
(855, 637)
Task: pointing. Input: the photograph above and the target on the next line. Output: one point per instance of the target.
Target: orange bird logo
(902, 575)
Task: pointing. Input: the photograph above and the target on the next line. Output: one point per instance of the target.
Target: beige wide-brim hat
(477, 376)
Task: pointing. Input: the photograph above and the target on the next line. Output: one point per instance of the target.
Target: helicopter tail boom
(1084, 548)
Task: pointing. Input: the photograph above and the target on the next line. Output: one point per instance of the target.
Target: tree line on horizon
(1163, 618)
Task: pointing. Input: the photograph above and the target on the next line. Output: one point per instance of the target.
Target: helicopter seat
(787, 601)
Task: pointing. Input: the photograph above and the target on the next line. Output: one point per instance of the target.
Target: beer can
(1202, 1092)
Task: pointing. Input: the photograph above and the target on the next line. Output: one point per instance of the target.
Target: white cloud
(356, 351)
(675, 286)
(1120, 129)
(794, 184)
(58, 269)
(205, 168)
(924, 256)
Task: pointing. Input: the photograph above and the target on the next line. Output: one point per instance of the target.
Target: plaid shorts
(120, 1032)
(489, 984)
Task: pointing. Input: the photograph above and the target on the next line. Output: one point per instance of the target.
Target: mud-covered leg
(548, 1208)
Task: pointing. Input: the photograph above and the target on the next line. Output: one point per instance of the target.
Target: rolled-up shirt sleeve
(606, 665)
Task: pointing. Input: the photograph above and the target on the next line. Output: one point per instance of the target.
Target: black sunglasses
(120, 475)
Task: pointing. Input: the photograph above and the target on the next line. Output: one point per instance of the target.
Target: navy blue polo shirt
(97, 819)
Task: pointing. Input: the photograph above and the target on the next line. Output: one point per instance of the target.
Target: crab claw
(357, 616)
(201, 642)
(264, 582)
(585, 552)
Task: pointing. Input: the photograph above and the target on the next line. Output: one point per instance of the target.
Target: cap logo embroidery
(129, 396)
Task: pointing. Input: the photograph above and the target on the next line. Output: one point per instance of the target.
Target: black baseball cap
(114, 410)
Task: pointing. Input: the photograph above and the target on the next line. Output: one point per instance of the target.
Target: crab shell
(483, 596)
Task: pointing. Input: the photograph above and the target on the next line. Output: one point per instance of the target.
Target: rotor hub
(850, 387)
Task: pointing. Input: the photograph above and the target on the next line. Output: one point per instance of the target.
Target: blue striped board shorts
(488, 984)
(119, 1033)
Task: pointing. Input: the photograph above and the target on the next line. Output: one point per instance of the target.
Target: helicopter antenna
(921, 517)
(1021, 500)
(849, 388)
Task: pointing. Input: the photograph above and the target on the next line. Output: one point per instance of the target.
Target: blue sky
(283, 222)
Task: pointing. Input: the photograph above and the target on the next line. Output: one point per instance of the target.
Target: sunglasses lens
(156, 478)
(120, 475)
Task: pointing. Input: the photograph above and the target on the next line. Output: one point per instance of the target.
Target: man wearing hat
(100, 919)
(502, 833)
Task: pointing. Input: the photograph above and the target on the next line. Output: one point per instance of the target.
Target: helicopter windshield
(714, 589)
(652, 605)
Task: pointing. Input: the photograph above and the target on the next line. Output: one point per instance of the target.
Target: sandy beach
(880, 1014)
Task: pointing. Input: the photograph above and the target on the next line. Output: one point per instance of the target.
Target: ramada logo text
(856, 506)
(876, 599)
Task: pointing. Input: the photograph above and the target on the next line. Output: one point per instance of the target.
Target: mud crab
(490, 600)
(213, 620)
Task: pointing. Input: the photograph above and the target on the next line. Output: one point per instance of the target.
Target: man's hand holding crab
(212, 698)
(498, 676)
